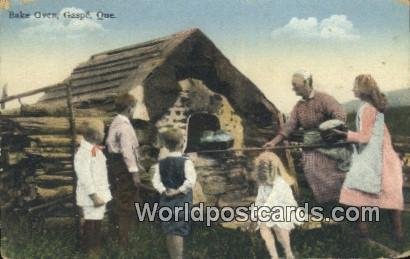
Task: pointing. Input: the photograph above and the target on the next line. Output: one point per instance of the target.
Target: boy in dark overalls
(174, 178)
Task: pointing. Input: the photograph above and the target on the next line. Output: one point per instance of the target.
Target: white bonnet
(303, 73)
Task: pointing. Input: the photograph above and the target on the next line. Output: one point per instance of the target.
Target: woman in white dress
(275, 195)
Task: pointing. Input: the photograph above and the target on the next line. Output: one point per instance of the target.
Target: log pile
(38, 150)
(37, 166)
(17, 185)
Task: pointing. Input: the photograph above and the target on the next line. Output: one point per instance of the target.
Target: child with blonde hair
(274, 193)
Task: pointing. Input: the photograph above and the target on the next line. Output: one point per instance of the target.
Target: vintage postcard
(205, 129)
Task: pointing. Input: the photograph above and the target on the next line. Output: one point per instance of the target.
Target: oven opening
(204, 133)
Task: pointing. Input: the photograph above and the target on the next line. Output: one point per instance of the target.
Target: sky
(267, 40)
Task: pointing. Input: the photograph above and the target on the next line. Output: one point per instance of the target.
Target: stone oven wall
(195, 97)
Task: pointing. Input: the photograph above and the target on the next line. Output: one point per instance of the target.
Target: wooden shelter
(154, 71)
(182, 80)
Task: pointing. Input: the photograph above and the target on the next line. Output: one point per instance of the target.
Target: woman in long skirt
(390, 196)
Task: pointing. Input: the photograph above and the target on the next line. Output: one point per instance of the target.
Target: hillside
(396, 118)
(396, 98)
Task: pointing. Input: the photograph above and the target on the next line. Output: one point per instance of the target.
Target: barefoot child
(174, 178)
(273, 192)
(93, 191)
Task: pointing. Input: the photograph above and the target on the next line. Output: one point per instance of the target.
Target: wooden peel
(300, 146)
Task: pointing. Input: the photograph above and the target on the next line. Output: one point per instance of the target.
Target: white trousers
(94, 213)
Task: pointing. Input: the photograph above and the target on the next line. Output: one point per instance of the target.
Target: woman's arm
(334, 109)
(291, 125)
(367, 120)
(287, 128)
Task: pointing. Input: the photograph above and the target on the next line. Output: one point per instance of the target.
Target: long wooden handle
(302, 146)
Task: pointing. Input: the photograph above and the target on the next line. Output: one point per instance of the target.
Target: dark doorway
(197, 124)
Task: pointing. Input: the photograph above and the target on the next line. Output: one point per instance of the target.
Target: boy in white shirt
(93, 192)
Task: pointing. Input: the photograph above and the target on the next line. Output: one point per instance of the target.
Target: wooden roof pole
(28, 93)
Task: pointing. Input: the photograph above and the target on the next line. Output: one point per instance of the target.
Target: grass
(147, 241)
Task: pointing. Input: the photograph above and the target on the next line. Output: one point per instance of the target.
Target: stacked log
(32, 143)
(17, 185)
(33, 126)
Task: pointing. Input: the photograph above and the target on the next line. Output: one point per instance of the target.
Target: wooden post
(71, 119)
(3, 96)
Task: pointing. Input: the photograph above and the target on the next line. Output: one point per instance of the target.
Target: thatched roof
(158, 65)
(104, 74)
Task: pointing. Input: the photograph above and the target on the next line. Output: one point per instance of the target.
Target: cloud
(335, 27)
(64, 25)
